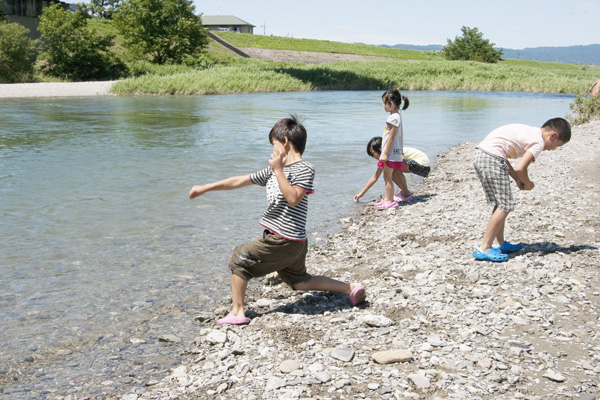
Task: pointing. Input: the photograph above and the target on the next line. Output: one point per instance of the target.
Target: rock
(323, 377)
(554, 376)
(274, 383)
(343, 354)
(420, 381)
(288, 366)
(169, 338)
(216, 336)
(377, 320)
(392, 356)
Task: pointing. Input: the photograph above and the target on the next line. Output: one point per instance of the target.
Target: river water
(101, 251)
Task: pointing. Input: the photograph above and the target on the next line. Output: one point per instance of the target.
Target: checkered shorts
(418, 169)
(493, 174)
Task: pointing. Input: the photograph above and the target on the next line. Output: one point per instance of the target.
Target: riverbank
(437, 324)
(55, 89)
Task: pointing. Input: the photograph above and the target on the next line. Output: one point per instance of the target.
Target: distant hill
(589, 54)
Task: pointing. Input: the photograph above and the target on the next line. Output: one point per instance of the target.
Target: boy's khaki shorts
(271, 253)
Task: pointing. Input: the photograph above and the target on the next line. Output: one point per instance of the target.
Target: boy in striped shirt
(283, 245)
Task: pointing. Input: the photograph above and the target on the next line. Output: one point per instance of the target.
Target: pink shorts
(391, 164)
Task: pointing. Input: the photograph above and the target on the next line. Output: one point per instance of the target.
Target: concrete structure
(226, 23)
(27, 12)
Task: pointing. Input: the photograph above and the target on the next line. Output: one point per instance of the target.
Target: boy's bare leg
(324, 284)
(238, 292)
(500, 235)
(495, 229)
(400, 180)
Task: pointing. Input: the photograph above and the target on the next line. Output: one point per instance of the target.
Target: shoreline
(526, 328)
(55, 89)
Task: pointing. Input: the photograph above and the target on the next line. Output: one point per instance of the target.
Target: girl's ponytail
(406, 102)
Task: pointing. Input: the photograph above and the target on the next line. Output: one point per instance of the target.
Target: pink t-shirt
(512, 141)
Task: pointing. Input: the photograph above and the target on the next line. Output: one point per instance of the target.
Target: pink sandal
(398, 197)
(357, 295)
(231, 319)
(384, 205)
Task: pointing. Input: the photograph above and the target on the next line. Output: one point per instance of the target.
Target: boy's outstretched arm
(234, 182)
(521, 171)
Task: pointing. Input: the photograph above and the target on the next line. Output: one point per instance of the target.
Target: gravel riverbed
(438, 324)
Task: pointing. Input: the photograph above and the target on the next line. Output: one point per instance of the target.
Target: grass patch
(252, 76)
(324, 46)
(247, 77)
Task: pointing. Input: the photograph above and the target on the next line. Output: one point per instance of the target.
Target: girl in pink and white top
(390, 159)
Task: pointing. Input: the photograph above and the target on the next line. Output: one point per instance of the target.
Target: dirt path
(55, 89)
(308, 57)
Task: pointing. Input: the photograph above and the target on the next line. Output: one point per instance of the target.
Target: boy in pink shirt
(493, 169)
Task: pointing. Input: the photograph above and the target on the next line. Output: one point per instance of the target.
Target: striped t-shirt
(280, 218)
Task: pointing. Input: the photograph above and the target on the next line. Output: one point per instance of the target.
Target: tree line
(155, 31)
(159, 31)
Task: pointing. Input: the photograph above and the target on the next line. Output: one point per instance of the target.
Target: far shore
(55, 89)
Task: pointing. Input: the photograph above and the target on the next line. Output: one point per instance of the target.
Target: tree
(16, 53)
(161, 30)
(100, 8)
(472, 46)
(71, 50)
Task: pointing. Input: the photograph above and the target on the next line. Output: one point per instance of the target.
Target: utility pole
(264, 26)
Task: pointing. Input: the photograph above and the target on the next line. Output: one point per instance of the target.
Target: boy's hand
(520, 184)
(528, 186)
(357, 196)
(197, 190)
(277, 161)
(383, 158)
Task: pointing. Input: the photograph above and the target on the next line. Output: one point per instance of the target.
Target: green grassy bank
(404, 69)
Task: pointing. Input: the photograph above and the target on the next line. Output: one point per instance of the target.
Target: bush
(16, 53)
(585, 108)
(69, 49)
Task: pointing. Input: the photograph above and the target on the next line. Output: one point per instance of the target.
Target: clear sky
(511, 24)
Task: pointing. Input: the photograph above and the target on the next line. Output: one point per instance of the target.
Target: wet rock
(169, 338)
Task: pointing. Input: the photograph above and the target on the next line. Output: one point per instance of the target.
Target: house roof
(223, 20)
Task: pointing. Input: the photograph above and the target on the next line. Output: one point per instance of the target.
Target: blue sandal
(508, 247)
(490, 255)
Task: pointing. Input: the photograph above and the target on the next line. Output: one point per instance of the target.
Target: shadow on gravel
(422, 198)
(314, 303)
(545, 248)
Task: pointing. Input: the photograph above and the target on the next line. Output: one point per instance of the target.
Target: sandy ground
(55, 89)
